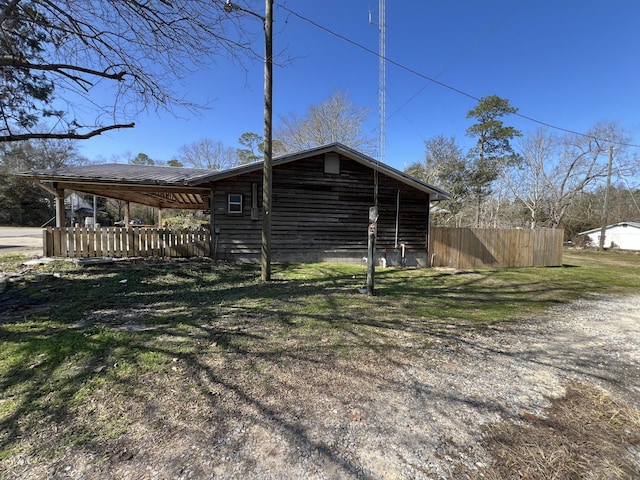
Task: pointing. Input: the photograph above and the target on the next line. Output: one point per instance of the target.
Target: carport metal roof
(162, 187)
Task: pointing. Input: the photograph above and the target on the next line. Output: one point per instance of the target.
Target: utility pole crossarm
(232, 7)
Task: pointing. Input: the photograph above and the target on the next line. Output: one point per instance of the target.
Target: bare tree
(529, 184)
(334, 120)
(85, 67)
(558, 169)
(445, 165)
(587, 208)
(206, 153)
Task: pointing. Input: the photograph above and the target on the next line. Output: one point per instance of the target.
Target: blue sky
(569, 63)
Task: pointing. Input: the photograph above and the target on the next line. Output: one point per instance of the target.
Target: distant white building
(78, 210)
(623, 235)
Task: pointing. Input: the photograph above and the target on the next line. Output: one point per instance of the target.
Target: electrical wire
(475, 43)
(445, 85)
(629, 190)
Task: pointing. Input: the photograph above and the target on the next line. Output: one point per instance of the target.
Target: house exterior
(320, 212)
(320, 204)
(623, 235)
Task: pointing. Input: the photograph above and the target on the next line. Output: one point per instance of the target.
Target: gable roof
(620, 224)
(180, 187)
(437, 193)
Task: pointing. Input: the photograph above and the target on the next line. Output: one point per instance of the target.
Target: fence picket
(78, 242)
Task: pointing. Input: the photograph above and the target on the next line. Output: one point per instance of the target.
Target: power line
(445, 85)
(474, 43)
(629, 190)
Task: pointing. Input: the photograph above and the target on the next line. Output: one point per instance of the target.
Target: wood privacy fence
(87, 242)
(485, 247)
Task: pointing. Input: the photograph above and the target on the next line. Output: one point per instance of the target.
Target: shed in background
(623, 235)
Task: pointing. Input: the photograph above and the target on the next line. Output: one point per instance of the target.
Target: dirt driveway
(21, 240)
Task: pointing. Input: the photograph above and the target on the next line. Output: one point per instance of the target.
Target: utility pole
(382, 142)
(265, 250)
(268, 139)
(605, 209)
(382, 79)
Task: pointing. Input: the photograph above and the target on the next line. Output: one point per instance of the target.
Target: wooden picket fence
(122, 242)
(448, 247)
(485, 247)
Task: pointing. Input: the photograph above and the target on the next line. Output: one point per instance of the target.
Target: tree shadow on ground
(133, 373)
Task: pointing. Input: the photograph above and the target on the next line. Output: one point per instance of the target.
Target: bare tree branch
(8, 8)
(10, 61)
(68, 136)
(55, 51)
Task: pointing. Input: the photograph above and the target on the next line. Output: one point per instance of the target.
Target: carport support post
(127, 214)
(371, 249)
(95, 212)
(212, 224)
(60, 213)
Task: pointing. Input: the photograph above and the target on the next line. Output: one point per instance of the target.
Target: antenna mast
(382, 97)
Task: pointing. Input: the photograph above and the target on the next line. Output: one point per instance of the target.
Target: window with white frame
(234, 203)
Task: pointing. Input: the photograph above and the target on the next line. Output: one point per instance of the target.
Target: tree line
(507, 179)
(539, 179)
(72, 70)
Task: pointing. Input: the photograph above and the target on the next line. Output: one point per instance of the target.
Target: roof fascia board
(620, 224)
(44, 177)
(106, 186)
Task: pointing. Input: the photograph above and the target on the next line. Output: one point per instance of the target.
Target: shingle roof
(438, 193)
(180, 187)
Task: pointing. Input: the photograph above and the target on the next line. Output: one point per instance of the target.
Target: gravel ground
(423, 419)
(415, 416)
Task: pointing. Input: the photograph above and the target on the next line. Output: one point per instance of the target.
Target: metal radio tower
(382, 98)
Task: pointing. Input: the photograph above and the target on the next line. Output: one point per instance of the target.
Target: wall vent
(332, 163)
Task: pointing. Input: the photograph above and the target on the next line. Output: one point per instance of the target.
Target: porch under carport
(154, 186)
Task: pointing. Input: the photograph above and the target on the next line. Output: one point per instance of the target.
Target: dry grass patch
(587, 434)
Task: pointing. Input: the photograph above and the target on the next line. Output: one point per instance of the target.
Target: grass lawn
(87, 350)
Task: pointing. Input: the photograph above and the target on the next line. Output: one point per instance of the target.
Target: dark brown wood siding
(318, 216)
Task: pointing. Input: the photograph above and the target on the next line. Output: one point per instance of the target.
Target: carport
(154, 186)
